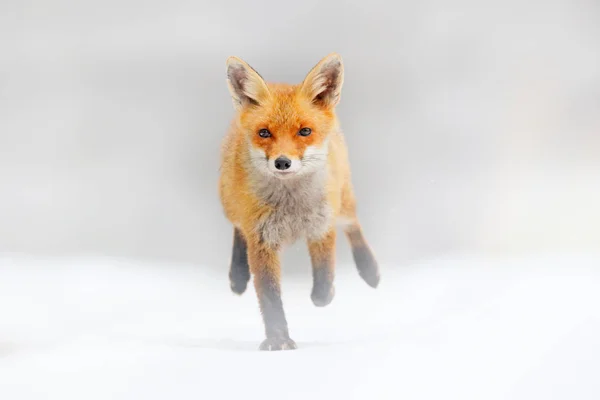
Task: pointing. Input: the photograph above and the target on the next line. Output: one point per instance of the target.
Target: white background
(472, 126)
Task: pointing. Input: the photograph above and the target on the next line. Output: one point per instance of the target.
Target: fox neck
(301, 191)
(299, 207)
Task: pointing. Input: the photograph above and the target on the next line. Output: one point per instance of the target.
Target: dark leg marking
(322, 255)
(363, 256)
(323, 290)
(239, 271)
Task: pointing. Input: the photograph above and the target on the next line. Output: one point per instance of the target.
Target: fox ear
(245, 84)
(323, 84)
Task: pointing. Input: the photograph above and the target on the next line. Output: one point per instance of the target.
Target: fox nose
(283, 163)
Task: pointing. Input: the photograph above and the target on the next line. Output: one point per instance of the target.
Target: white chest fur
(299, 209)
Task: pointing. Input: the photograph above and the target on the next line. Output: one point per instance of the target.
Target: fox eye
(264, 133)
(304, 132)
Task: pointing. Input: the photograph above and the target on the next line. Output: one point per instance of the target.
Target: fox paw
(238, 280)
(367, 266)
(370, 275)
(322, 294)
(275, 344)
(238, 286)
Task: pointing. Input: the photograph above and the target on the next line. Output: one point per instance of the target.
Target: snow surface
(463, 328)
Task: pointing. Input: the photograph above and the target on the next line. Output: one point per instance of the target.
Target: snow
(453, 328)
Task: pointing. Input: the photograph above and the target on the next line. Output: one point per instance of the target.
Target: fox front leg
(265, 267)
(322, 255)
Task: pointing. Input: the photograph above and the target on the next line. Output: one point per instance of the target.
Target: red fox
(285, 176)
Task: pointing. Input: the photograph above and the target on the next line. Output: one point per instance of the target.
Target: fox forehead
(286, 109)
(281, 110)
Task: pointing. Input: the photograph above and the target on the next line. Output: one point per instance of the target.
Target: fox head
(286, 127)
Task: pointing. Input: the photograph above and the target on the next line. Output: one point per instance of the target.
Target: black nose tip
(283, 163)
